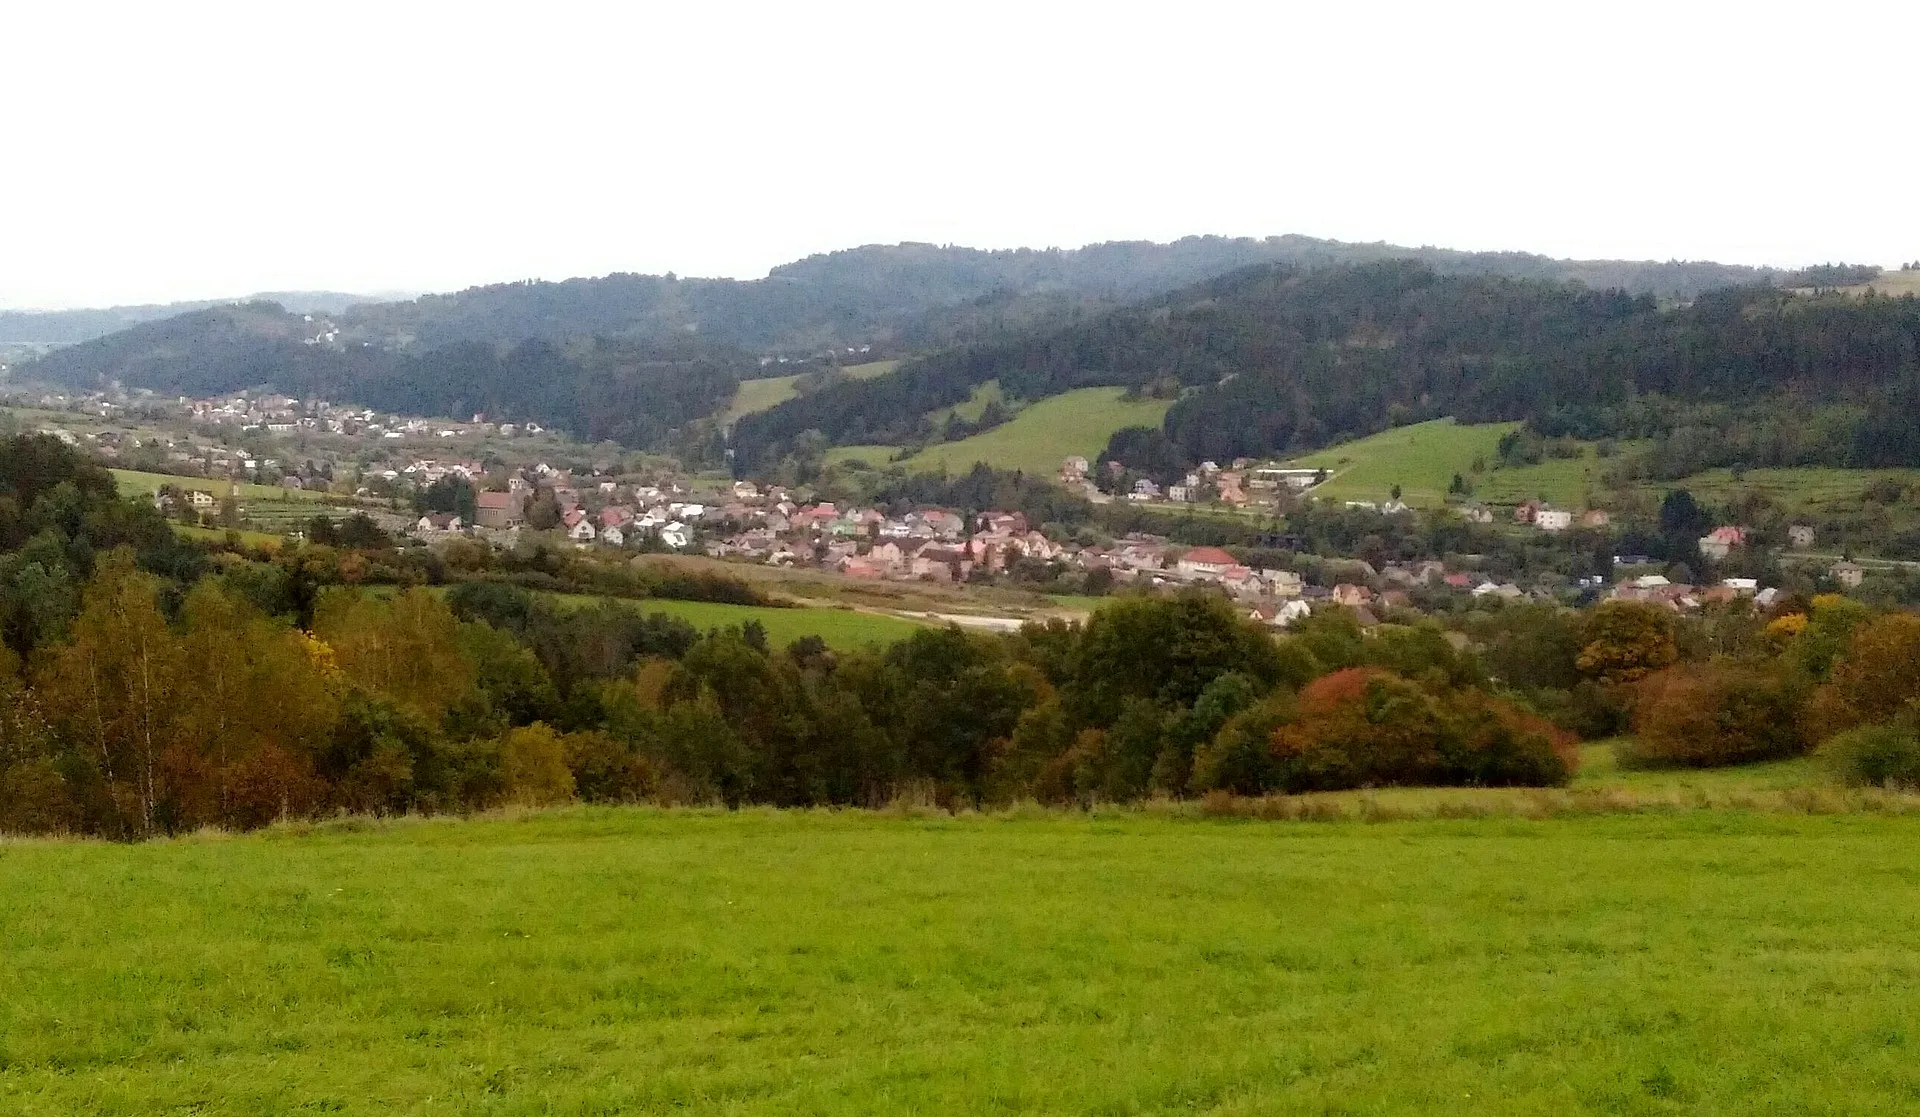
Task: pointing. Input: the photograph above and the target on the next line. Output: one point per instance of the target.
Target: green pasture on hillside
(769, 392)
(842, 629)
(599, 961)
(1423, 457)
(764, 394)
(1036, 440)
(133, 482)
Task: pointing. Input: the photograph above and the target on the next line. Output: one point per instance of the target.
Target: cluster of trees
(133, 722)
(1824, 674)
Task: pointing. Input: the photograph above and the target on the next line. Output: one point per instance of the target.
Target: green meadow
(599, 961)
(842, 629)
(1036, 440)
(133, 482)
(1423, 457)
(769, 392)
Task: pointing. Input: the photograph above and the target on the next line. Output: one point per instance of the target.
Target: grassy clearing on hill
(1421, 458)
(600, 961)
(134, 482)
(1042, 435)
(769, 392)
(842, 629)
(975, 405)
(1891, 283)
(764, 394)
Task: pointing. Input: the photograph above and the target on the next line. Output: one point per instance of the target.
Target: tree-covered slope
(1276, 359)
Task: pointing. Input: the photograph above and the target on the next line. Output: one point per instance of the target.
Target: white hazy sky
(152, 152)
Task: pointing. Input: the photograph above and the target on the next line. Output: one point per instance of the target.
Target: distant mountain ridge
(911, 294)
(920, 294)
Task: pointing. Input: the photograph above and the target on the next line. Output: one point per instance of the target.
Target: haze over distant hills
(875, 292)
(67, 327)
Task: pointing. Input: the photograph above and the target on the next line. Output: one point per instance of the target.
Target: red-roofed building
(1206, 560)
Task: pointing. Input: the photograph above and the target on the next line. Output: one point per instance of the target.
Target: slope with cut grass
(1422, 459)
(769, 392)
(756, 962)
(842, 629)
(133, 482)
(1036, 440)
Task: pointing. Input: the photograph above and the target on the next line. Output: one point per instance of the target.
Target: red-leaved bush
(1364, 727)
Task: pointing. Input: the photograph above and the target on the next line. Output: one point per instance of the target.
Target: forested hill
(656, 394)
(1274, 359)
(66, 327)
(927, 295)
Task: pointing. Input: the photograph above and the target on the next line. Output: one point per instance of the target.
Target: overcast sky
(155, 152)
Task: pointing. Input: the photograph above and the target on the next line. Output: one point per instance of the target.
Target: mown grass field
(1036, 440)
(1423, 457)
(135, 482)
(630, 961)
(770, 392)
(764, 394)
(1892, 283)
(842, 629)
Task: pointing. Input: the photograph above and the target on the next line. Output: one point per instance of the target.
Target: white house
(1553, 519)
(677, 535)
(581, 532)
(613, 537)
(1290, 612)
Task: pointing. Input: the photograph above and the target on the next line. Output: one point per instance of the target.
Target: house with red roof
(1207, 561)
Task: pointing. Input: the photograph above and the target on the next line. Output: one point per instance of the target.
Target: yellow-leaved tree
(112, 689)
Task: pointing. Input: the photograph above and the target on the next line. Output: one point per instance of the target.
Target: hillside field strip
(1036, 440)
(629, 960)
(767, 393)
(842, 629)
(1423, 457)
(135, 482)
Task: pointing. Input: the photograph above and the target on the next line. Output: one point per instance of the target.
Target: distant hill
(1277, 359)
(926, 295)
(639, 393)
(67, 327)
(550, 351)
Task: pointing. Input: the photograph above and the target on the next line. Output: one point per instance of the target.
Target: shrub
(1240, 757)
(534, 763)
(1710, 715)
(1885, 755)
(1874, 679)
(1368, 728)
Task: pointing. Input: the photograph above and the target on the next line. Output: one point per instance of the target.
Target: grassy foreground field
(624, 961)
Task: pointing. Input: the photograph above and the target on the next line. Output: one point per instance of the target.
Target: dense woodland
(153, 687)
(1272, 360)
